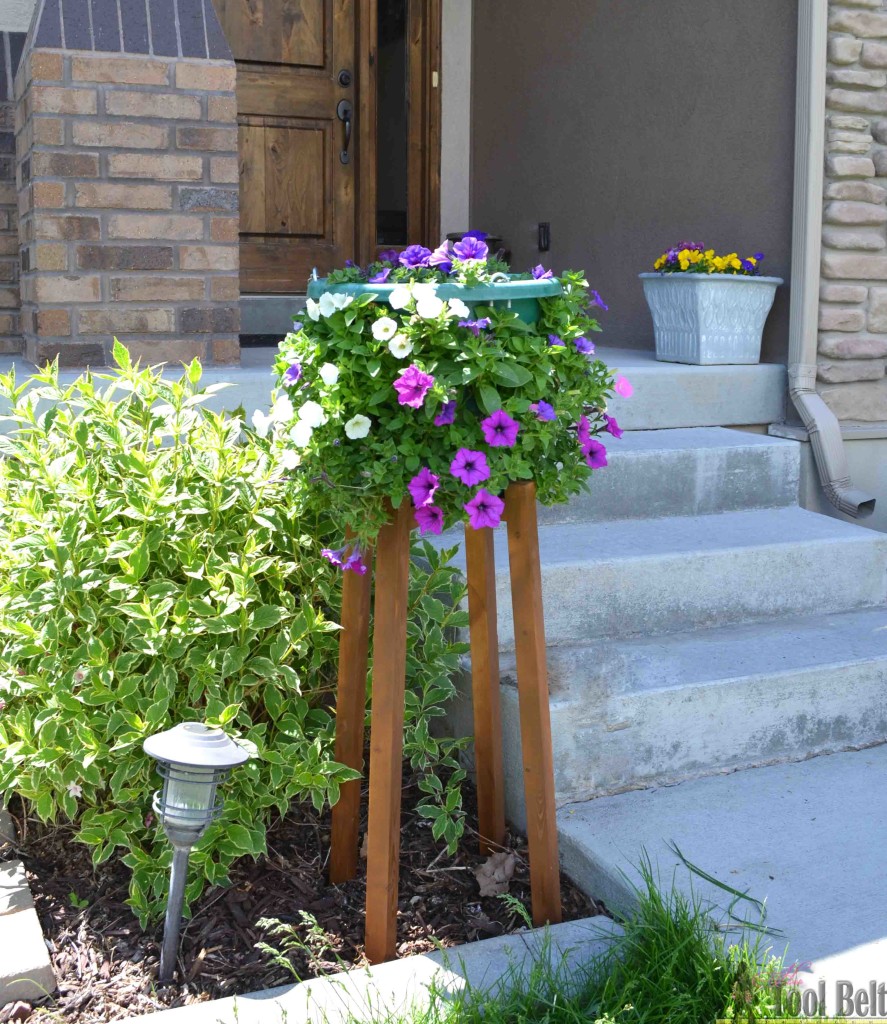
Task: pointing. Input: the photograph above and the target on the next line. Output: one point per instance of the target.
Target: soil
(107, 966)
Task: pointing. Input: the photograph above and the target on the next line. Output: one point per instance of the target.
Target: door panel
(297, 198)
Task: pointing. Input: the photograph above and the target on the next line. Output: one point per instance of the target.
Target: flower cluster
(694, 258)
(439, 401)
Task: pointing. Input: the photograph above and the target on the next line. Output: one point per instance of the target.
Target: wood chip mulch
(107, 967)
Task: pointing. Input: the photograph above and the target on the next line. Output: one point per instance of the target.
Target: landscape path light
(193, 759)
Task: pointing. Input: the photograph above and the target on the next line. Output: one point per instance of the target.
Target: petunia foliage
(428, 394)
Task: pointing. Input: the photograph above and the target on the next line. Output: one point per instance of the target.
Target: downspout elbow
(828, 445)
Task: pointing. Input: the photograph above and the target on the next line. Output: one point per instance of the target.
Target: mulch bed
(107, 967)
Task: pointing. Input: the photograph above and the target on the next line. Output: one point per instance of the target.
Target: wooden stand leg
(386, 735)
(532, 684)
(350, 715)
(485, 688)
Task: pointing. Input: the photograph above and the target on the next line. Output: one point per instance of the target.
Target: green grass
(673, 965)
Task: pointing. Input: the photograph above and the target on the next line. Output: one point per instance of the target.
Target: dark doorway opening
(392, 80)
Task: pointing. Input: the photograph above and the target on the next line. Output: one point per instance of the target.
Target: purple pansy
(543, 411)
(597, 300)
(429, 518)
(500, 430)
(595, 454)
(540, 273)
(414, 256)
(422, 487)
(446, 415)
(584, 345)
(471, 248)
(381, 277)
(476, 326)
(484, 510)
(470, 467)
(293, 374)
(555, 339)
(412, 386)
(759, 255)
(442, 258)
(612, 427)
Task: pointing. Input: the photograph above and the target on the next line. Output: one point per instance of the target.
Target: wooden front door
(296, 64)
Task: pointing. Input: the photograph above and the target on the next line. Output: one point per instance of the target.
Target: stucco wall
(15, 15)
(631, 126)
(455, 157)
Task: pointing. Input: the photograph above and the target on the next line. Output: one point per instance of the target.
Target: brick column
(11, 44)
(128, 192)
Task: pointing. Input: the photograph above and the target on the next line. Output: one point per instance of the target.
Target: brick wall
(11, 44)
(128, 197)
(853, 306)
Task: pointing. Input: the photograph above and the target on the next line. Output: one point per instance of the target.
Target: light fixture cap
(195, 745)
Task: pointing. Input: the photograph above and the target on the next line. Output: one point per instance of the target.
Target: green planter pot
(522, 297)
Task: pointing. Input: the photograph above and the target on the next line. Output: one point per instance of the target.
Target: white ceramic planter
(709, 318)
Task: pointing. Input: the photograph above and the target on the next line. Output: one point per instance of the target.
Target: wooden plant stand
(386, 734)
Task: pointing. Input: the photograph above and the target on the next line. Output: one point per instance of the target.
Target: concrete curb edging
(389, 990)
(25, 969)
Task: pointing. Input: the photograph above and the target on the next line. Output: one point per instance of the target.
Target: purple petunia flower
(623, 387)
(540, 273)
(414, 256)
(389, 256)
(381, 277)
(476, 326)
(471, 248)
(584, 345)
(555, 339)
(446, 415)
(544, 411)
(442, 258)
(482, 235)
(583, 430)
(422, 487)
(430, 519)
(355, 563)
(470, 467)
(412, 386)
(293, 374)
(595, 454)
(297, 325)
(612, 427)
(484, 510)
(333, 556)
(598, 301)
(500, 430)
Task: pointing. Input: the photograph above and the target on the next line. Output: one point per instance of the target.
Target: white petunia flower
(357, 427)
(329, 374)
(399, 297)
(282, 410)
(261, 422)
(400, 346)
(312, 413)
(429, 307)
(301, 433)
(458, 308)
(341, 300)
(327, 304)
(288, 458)
(384, 328)
(313, 309)
(424, 290)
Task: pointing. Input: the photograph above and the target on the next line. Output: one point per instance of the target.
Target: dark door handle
(344, 113)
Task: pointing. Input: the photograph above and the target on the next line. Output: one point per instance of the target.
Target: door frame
(423, 125)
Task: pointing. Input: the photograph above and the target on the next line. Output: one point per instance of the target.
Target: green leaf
(511, 375)
(489, 399)
(266, 616)
(121, 355)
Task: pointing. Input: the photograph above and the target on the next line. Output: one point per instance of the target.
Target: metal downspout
(821, 423)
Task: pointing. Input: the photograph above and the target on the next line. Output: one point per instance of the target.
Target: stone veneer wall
(128, 198)
(853, 294)
(11, 44)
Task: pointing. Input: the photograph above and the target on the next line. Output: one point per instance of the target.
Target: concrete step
(677, 395)
(806, 837)
(658, 710)
(686, 472)
(652, 576)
